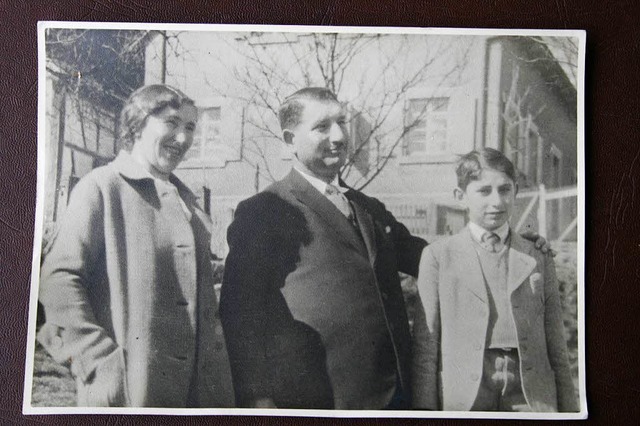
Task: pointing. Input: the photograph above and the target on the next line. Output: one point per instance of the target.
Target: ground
(53, 385)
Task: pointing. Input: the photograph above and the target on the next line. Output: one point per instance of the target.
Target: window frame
(201, 161)
(441, 156)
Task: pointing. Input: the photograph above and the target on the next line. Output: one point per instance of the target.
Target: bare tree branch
(268, 70)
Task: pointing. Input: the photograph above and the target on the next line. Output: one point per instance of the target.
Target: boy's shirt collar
(478, 231)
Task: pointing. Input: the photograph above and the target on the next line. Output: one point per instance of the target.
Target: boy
(493, 339)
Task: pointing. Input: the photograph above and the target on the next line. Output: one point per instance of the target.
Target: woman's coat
(127, 287)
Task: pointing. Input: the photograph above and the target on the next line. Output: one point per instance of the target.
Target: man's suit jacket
(312, 306)
(449, 346)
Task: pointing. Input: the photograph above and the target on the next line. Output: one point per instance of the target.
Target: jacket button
(475, 377)
(218, 346)
(182, 303)
(477, 346)
(218, 330)
(384, 296)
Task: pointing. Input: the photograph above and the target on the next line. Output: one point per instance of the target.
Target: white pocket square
(535, 281)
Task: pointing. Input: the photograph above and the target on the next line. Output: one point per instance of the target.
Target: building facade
(415, 103)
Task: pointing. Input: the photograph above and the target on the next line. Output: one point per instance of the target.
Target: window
(523, 146)
(426, 119)
(207, 135)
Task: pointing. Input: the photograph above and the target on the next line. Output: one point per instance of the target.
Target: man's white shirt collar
(478, 231)
(319, 184)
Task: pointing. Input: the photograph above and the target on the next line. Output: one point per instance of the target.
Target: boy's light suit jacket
(449, 346)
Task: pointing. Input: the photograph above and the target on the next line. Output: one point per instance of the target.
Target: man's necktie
(338, 199)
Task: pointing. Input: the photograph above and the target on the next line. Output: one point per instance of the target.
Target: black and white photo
(309, 221)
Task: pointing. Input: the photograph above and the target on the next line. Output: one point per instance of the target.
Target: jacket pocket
(107, 386)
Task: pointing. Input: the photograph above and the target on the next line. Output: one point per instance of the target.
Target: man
(311, 301)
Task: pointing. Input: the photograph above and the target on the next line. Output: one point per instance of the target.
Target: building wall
(233, 172)
(554, 122)
(474, 75)
(80, 135)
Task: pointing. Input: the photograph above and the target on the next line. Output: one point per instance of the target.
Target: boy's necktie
(491, 241)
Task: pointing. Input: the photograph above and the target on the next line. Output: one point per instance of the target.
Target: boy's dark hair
(293, 106)
(143, 102)
(470, 165)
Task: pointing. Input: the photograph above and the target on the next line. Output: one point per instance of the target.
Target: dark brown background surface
(612, 167)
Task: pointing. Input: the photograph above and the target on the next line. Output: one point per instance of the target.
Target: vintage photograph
(309, 221)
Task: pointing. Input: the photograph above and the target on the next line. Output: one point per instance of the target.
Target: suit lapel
(304, 192)
(470, 273)
(521, 263)
(367, 229)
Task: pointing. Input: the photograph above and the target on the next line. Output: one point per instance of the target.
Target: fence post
(542, 211)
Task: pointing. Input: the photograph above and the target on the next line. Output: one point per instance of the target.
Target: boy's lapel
(470, 272)
(521, 263)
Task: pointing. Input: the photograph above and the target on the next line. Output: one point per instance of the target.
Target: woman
(127, 285)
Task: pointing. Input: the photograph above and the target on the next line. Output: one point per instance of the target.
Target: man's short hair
(470, 165)
(293, 106)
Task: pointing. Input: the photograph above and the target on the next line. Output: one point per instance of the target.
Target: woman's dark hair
(143, 102)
